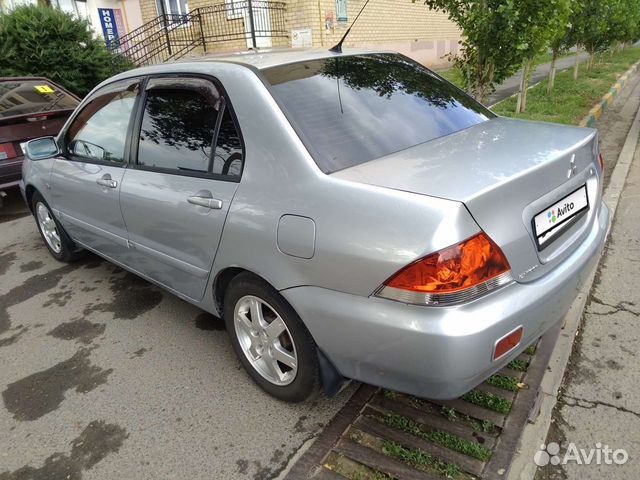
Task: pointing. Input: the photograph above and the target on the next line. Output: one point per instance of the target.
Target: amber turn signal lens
(507, 343)
(453, 269)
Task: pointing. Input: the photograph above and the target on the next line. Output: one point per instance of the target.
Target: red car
(30, 107)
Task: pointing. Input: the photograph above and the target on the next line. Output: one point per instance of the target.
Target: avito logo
(553, 217)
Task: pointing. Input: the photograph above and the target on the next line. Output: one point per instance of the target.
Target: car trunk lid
(506, 172)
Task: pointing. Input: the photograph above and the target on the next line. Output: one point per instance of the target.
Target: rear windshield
(26, 97)
(349, 110)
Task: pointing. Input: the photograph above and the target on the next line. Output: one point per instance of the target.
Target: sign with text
(112, 23)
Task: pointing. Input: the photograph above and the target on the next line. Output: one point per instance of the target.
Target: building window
(341, 10)
(172, 7)
(234, 11)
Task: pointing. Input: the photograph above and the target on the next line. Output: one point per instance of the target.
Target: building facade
(400, 25)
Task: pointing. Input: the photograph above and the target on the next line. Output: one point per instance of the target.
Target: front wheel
(270, 340)
(55, 238)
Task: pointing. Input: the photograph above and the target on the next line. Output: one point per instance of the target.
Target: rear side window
(228, 157)
(349, 110)
(178, 125)
(187, 127)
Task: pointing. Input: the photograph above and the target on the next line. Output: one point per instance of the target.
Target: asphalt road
(106, 376)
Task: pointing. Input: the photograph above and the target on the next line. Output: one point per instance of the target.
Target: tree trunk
(552, 73)
(521, 105)
(576, 67)
(592, 60)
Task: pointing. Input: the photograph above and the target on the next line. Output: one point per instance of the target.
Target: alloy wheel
(265, 340)
(48, 227)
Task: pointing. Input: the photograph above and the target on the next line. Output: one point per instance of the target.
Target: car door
(187, 160)
(87, 176)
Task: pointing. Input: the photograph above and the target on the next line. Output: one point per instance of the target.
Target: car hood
(505, 171)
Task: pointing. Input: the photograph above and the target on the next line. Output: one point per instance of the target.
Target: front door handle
(107, 181)
(204, 199)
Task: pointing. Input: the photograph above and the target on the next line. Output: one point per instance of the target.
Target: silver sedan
(350, 215)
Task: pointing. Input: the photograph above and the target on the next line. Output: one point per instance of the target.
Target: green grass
(488, 400)
(571, 100)
(454, 75)
(389, 394)
(506, 383)
(519, 365)
(364, 474)
(419, 458)
(441, 438)
(531, 349)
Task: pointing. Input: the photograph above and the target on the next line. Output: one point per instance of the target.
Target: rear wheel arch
(332, 380)
(220, 284)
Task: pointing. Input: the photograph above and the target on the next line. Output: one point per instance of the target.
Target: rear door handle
(204, 199)
(107, 181)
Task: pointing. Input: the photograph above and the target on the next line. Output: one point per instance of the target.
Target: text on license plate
(557, 217)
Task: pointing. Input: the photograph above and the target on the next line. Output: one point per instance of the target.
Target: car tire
(60, 246)
(279, 334)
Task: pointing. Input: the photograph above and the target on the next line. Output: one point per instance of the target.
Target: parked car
(349, 215)
(30, 107)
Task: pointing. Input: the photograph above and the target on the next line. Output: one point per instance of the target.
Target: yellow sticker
(44, 89)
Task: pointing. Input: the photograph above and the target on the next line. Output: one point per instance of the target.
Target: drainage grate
(382, 434)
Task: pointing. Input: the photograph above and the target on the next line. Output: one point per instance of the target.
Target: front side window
(99, 132)
(178, 125)
(349, 110)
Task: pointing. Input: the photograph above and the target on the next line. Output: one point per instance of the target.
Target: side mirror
(41, 148)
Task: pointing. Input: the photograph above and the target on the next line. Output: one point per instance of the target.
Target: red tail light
(455, 274)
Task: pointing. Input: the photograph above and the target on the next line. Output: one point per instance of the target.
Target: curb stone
(535, 433)
(607, 100)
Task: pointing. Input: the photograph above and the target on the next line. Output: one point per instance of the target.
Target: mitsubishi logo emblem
(572, 166)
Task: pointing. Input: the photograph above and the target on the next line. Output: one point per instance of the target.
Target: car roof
(267, 58)
(254, 60)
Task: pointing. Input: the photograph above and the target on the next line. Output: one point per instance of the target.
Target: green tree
(626, 21)
(492, 48)
(560, 41)
(44, 41)
(595, 26)
(537, 24)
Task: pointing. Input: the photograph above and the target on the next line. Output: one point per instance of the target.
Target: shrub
(47, 42)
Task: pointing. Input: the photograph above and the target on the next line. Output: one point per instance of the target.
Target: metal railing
(235, 25)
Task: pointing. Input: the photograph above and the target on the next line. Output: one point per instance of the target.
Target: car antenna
(338, 47)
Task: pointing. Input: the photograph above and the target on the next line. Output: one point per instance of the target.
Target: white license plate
(549, 223)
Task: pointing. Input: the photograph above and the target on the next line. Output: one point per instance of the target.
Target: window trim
(63, 140)
(137, 127)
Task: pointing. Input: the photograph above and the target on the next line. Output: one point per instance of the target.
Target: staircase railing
(234, 25)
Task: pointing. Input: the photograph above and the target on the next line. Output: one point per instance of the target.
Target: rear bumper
(10, 172)
(441, 352)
